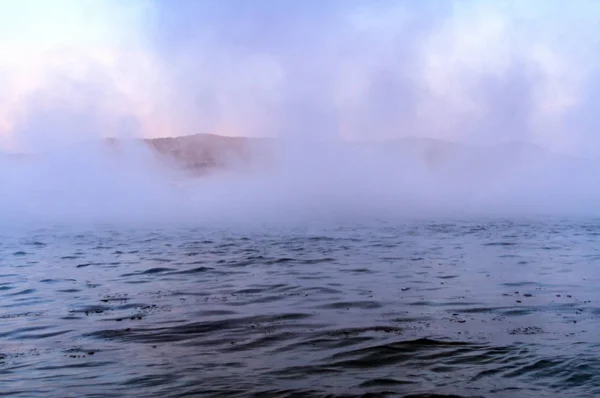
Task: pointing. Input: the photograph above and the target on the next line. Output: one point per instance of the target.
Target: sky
(471, 71)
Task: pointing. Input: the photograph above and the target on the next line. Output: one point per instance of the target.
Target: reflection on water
(491, 309)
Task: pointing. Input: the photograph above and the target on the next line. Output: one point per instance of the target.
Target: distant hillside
(204, 152)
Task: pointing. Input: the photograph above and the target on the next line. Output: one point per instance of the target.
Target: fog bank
(132, 183)
(370, 109)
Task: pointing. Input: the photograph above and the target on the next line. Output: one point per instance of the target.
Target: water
(487, 308)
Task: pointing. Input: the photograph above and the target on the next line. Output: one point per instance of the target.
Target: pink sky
(476, 71)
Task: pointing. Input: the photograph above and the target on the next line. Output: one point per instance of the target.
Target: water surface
(486, 309)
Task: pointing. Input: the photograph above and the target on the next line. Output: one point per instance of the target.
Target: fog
(374, 110)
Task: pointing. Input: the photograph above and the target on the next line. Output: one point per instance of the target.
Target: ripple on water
(490, 309)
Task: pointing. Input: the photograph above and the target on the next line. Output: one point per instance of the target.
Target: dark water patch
(351, 304)
(358, 271)
(521, 284)
(160, 260)
(318, 290)
(197, 270)
(440, 396)
(29, 333)
(181, 333)
(117, 299)
(327, 342)
(411, 346)
(281, 393)
(249, 291)
(280, 260)
(109, 333)
(22, 292)
(321, 239)
(500, 244)
(516, 311)
(92, 310)
(317, 261)
(354, 332)
(36, 243)
(384, 382)
(150, 271)
(70, 257)
(543, 365)
(38, 336)
(100, 247)
(389, 354)
(383, 245)
(77, 365)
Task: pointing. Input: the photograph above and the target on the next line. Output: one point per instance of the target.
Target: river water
(480, 308)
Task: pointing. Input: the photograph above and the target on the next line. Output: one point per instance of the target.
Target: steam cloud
(339, 85)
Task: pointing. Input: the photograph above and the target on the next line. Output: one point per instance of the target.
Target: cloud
(475, 71)
(64, 59)
(479, 71)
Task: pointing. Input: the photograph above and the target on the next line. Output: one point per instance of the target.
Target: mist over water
(341, 101)
(303, 180)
